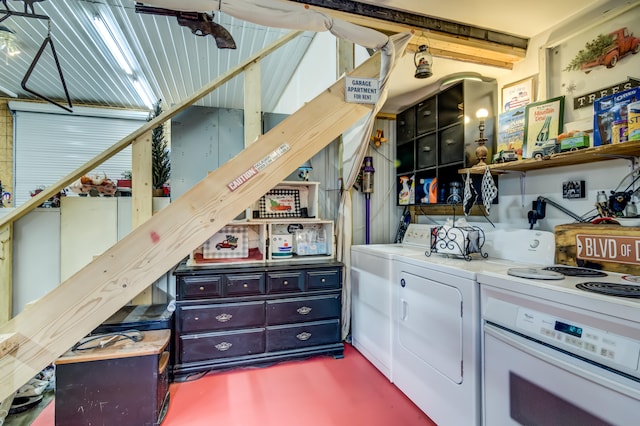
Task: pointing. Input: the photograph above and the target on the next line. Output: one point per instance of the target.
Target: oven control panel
(598, 345)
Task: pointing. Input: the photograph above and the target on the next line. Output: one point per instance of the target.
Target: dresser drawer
(201, 287)
(220, 317)
(303, 309)
(284, 282)
(202, 347)
(285, 337)
(324, 279)
(247, 284)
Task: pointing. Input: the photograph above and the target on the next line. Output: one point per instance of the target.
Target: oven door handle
(562, 360)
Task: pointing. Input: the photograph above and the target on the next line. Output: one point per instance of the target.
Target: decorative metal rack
(460, 241)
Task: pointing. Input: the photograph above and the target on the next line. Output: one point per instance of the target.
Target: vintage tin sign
(609, 248)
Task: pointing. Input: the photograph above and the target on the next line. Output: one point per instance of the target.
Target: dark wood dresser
(235, 315)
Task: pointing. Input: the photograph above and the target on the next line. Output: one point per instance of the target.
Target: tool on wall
(539, 211)
(27, 4)
(367, 189)
(201, 24)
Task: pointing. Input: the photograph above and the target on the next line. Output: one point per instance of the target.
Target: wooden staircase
(37, 336)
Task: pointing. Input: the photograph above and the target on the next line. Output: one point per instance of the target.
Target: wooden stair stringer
(55, 322)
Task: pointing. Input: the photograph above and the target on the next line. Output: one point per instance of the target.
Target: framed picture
(518, 94)
(542, 124)
(579, 66)
(280, 203)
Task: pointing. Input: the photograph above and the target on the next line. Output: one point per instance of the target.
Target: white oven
(554, 355)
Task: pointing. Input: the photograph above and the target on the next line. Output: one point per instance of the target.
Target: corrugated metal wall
(385, 215)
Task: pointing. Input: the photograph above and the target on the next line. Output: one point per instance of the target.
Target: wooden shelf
(445, 210)
(569, 158)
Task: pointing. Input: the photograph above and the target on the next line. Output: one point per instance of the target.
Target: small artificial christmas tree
(160, 160)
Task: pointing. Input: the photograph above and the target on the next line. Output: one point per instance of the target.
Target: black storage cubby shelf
(436, 138)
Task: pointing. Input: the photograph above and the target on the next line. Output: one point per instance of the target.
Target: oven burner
(611, 289)
(535, 273)
(573, 271)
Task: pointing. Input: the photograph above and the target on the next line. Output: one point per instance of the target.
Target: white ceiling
(177, 63)
(522, 18)
(526, 19)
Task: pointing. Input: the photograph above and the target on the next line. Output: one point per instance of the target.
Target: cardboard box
(633, 124)
(608, 109)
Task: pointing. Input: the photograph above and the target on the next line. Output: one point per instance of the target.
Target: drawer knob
(201, 288)
(303, 336)
(224, 317)
(303, 310)
(285, 282)
(223, 346)
(196, 318)
(323, 280)
(245, 285)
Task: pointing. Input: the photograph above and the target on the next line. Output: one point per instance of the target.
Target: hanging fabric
(469, 195)
(489, 190)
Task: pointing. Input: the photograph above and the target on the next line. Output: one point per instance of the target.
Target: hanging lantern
(423, 60)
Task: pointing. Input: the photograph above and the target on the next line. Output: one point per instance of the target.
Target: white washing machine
(372, 277)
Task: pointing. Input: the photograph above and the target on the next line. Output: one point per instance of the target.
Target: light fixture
(143, 90)
(454, 78)
(119, 50)
(481, 150)
(113, 44)
(304, 170)
(423, 60)
(8, 42)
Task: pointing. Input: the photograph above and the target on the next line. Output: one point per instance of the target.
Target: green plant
(160, 154)
(126, 175)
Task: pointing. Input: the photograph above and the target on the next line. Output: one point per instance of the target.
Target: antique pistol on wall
(201, 24)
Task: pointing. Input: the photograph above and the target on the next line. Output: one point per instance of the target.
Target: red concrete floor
(320, 391)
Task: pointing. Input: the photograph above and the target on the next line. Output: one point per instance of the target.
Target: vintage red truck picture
(231, 242)
(605, 50)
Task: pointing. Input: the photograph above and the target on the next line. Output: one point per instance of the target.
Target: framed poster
(518, 94)
(280, 203)
(511, 133)
(542, 125)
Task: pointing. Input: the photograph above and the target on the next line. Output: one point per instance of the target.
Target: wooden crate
(608, 247)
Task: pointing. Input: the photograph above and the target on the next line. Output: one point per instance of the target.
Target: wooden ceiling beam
(445, 38)
(457, 56)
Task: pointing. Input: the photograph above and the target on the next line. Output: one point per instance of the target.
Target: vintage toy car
(544, 149)
(505, 156)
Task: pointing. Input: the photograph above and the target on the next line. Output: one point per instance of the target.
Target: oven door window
(531, 384)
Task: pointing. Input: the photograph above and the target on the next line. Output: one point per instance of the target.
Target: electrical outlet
(573, 189)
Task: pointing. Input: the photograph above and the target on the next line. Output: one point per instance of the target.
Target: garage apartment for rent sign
(361, 90)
